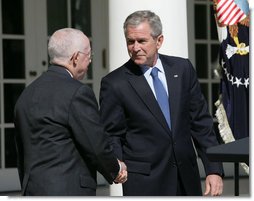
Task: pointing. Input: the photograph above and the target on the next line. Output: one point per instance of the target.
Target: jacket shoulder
(174, 59)
(118, 73)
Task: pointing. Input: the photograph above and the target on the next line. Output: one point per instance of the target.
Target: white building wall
(173, 15)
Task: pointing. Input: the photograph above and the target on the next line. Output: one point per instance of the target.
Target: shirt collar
(69, 72)
(158, 64)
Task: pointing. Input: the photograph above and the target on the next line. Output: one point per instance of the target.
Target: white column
(174, 21)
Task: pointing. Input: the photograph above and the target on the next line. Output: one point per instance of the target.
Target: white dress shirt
(161, 74)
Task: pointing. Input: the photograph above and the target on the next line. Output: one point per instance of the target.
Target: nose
(136, 46)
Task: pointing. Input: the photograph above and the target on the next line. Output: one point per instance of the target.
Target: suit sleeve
(20, 156)
(89, 134)
(112, 115)
(19, 145)
(202, 125)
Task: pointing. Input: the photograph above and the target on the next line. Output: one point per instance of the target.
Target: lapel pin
(175, 75)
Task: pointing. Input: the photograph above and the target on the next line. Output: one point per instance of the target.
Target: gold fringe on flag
(224, 128)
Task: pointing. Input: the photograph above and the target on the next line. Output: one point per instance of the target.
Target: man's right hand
(123, 174)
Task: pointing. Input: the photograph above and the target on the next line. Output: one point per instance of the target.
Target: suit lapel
(142, 88)
(173, 88)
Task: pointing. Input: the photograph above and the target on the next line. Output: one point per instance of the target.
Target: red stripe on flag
(222, 14)
(226, 16)
(234, 17)
(231, 18)
(239, 18)
(219, 7)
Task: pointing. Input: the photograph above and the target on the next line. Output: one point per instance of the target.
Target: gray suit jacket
(60, 141)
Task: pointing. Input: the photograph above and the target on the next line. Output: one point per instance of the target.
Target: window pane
(213, 31)
(57, 15)
(13, 17)
(81, 19)
(215, 61)
(201, 60)
(215, 53)
(204, 89)
(11, 94)
(200, 22)
(81, 15)
(10, 149)
(13, 58)
(215, 95)
(89, 74)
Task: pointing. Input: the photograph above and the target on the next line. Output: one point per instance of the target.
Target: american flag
(233, 104)
(230, 12)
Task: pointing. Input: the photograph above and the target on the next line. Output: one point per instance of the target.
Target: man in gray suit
(60, 141)
(156, 140)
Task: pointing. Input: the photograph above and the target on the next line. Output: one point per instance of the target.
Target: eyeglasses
(90, 54)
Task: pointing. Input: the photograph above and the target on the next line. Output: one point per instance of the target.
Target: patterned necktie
(161, 94)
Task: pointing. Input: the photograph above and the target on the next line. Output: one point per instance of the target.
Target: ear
(74, 59)
(160, 39)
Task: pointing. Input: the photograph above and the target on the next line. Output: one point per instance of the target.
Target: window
(203, 42)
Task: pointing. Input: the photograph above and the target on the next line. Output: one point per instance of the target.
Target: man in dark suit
(60, 141)
(158, 150)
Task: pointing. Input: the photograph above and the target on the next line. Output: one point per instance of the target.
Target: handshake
(123, 174)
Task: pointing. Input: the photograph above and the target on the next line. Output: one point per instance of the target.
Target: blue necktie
(161, 94)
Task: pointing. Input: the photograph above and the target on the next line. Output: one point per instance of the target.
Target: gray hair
(63, 43)
(141, 16)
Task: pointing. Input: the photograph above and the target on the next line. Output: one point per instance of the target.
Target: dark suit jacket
(60, 141)
(155, 155)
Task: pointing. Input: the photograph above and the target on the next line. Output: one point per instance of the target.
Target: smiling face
(142, 47)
